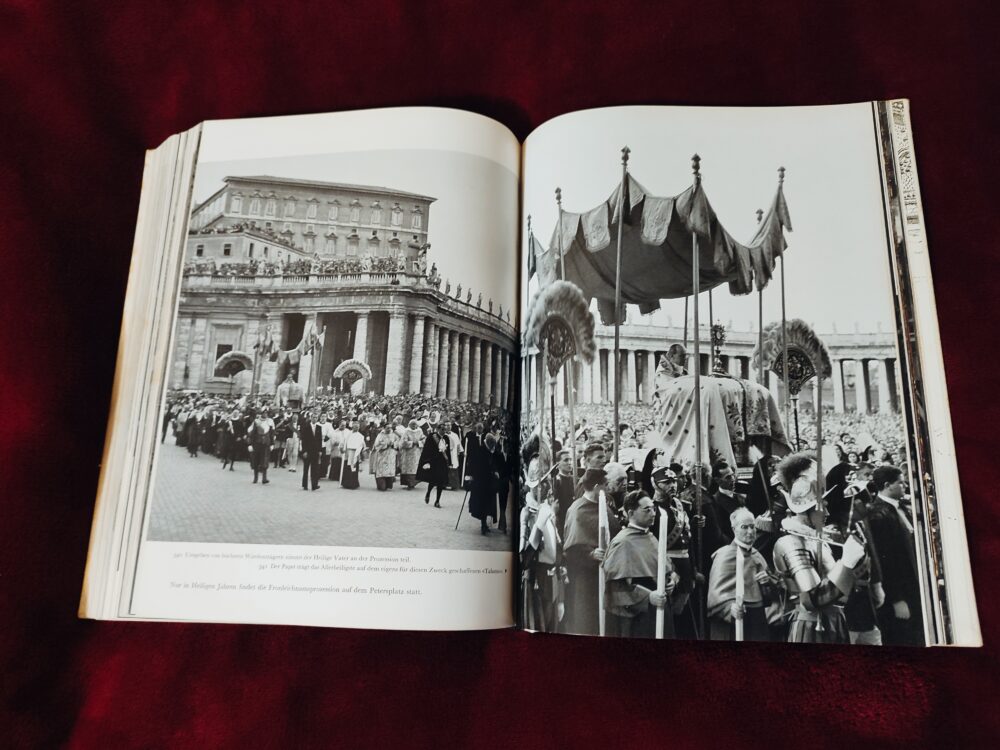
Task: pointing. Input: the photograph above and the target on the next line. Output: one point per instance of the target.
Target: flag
(532, 255)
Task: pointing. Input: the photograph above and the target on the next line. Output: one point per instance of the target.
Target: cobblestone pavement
(194, 500)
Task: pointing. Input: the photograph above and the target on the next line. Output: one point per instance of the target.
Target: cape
(631, 554)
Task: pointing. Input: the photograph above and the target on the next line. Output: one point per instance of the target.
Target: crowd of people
(334, 439)
(762, 550)
(876, 437)
(296, 266)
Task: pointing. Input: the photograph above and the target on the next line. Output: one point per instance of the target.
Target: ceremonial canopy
(735, 414)
(658, 238)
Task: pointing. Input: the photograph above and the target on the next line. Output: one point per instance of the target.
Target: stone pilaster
(360, 347)
(443, 351)
(417, 355)
(395, 355)
(463, 368)
(453, 353)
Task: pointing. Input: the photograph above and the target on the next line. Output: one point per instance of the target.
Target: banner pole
(784, 330)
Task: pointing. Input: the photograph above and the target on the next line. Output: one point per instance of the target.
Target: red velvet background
(86, 87)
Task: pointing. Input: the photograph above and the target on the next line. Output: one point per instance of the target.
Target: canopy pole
(618, 295)
(570, 368)
(696, 290)
(686, 299)
(711, 337)
(820, 483)
(784, 333)
(761, 375)
(562, 259)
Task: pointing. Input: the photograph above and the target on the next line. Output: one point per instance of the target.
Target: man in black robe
(484, 477)
(435, 458)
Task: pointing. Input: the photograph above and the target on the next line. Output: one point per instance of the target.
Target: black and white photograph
(716, 409)
(342, 368)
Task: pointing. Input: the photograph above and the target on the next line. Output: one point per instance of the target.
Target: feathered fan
(352, 369)
(807, 354)
(560, 319)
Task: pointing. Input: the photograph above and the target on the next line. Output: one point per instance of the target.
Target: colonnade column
(650, 376)
(417, 355)
(629, 395)
(476, 394)
(863, 392)
(585, 391)
(360, 347)
(429, 383)
(596, 380)
(884, 400)
(504, 377)
(442, 369)
(463, 368)
(838, 385)
(487, 357)
(612, 375)
(453, 352)
(395, 355)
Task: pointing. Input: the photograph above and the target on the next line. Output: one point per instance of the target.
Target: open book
(394, 369)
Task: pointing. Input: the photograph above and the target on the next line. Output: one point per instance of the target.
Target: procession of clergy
(777, 561)
(335, 440)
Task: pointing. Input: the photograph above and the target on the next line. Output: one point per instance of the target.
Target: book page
(723, 409)
(329, 425)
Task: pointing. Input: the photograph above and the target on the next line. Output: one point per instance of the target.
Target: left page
(323, 436)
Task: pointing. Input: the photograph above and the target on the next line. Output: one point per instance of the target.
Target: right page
(734, 414)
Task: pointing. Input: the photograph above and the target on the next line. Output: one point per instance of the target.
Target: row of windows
(270, 206)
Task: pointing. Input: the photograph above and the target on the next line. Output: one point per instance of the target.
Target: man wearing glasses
(630, 567)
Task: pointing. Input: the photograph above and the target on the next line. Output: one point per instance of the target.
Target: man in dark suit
(311, 441)
(901, 618)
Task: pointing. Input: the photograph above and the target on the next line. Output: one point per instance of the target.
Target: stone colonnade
(595, 382)
(426, 356)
